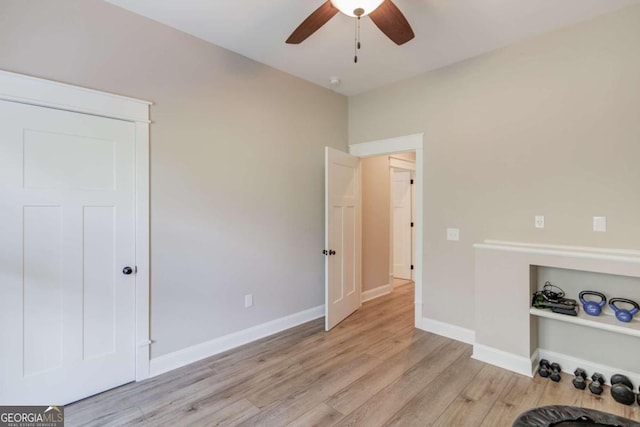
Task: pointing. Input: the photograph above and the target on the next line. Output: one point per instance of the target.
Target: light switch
(248, 300)
(600, 223)
(453, 234)
(539, 221)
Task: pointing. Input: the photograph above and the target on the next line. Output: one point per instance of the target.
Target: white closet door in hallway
(67, 300)
(402, 221)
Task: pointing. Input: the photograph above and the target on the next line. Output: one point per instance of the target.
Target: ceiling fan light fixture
(348, 7)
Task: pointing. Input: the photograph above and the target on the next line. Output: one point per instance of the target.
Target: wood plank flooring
(374, 369)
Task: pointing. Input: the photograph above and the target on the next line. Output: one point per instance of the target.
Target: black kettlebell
(596, 384)
(592, 308)
(622, 389)
(555, 372)
(622, 314)
(544, 369)
(580, 380)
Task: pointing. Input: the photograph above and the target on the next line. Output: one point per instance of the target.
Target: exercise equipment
(622, 314)
(597, 381)
(580, 380)
(592, 308)
(622, 389)
(570, 416)
(544, 368)
(552, 297)
(555, 372)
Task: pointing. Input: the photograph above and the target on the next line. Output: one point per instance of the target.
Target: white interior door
(402, 220)
(343, 230)
(67, 313)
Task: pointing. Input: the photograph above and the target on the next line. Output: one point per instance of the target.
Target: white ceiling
(447, 31)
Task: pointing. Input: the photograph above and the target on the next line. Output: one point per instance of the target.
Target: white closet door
(67, 310)
(402, 230)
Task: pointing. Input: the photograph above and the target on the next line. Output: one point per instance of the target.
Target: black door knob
(127, 270)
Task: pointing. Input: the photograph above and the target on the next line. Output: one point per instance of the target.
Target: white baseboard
(376, 292)
(447, 330)
(512, 362)
(183, 357)
(570, 363)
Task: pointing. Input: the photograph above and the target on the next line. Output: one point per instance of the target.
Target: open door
(343, 230)
(402, 223)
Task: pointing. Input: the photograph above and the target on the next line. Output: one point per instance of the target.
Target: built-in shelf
(606, 321)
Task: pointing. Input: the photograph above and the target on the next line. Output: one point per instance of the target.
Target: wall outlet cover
(600, 223)
(539, 221)
(453, 234)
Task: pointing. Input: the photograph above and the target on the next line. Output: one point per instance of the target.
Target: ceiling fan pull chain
(357, 46)
(358, 36)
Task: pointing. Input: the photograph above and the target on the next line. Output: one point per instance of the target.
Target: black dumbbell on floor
(544, 368)
(622, 390)
(555, 372)
(580, 380)
(597, 382)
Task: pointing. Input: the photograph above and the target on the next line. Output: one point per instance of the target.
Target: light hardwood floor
(374, 369)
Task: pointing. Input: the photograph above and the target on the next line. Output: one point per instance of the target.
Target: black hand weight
(592, 308)
(555, 372)
(596, 384)
(580, 380)
(544, 369)
(622, 390)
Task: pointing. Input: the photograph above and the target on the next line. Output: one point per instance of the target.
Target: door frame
(400, 144)
(50, 94)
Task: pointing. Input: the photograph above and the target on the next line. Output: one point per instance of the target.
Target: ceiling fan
(383, 13)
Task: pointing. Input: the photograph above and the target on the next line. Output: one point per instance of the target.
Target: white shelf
(606, 321)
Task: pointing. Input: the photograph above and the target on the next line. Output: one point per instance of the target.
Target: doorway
(388, 147)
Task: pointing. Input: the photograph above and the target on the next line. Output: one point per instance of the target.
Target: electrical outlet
(600, 223)
(539, 221)
(248, 300)
(453, 234)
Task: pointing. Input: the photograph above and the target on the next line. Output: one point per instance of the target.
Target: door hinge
(411, 181)
(412, 224)
(412, 266)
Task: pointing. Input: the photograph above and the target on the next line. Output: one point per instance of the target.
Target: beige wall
(376, 217)
(236, 161)
(549, 126)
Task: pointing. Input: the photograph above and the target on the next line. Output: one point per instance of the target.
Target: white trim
(388, 146)
(612, 251)
(143, 262)
(376, 292)
(448, 330)
(403, 164)
(46, 93)
(606, 321)
(512, 362)
(201, 351)
(570, 363)
(395, 145)
(557, 252)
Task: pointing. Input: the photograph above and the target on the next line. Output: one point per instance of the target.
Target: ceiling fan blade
(392, 22)
(313, 23)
